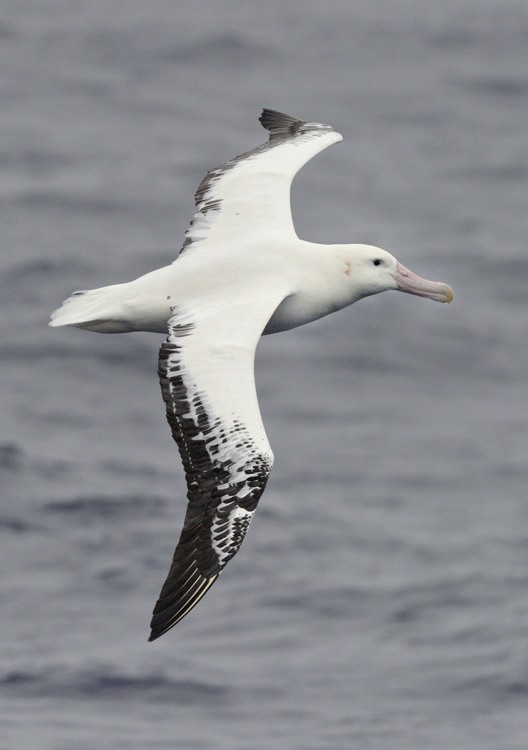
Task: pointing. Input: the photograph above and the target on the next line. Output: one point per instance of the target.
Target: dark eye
(377, 262)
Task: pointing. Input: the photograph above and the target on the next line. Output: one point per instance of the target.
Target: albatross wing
(251, 193)
(207, 383)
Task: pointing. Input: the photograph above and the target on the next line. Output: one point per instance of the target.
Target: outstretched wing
(251, 193)
(207, 383)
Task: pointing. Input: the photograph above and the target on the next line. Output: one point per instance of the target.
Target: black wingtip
(176, 600)
(279, 123)
(156, 633)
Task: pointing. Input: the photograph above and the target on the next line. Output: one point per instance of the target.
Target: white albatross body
(242, 272)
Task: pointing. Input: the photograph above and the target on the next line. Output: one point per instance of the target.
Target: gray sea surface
(380, 600)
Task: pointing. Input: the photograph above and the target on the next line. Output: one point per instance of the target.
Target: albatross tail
(98, 310)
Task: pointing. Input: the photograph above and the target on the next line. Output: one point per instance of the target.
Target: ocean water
(380, 600)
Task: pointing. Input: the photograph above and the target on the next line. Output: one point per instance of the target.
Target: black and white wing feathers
(206, 364)
(251, 193)
(207, 383)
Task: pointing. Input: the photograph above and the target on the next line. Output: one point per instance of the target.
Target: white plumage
(242, 272)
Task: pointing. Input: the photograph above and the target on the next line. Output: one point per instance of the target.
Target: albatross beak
(411, 283)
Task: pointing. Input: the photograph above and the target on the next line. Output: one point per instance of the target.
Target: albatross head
(373, 270)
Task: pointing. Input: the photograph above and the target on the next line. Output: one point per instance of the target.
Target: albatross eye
(377, 262)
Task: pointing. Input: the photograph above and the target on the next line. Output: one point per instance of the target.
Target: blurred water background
(380, 600)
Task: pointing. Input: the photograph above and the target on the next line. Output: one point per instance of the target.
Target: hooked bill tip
(448, 294)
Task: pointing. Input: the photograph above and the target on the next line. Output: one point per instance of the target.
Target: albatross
(242, 272)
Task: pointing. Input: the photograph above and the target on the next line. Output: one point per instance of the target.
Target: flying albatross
(242, 272)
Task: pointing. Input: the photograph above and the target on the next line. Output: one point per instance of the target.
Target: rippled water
(381, 598)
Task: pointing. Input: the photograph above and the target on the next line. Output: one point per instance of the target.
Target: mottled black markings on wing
(283, 129)
(222, 492)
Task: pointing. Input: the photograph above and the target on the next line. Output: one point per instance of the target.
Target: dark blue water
(380, 600)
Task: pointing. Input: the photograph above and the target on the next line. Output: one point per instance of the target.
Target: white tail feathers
(93, 309)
